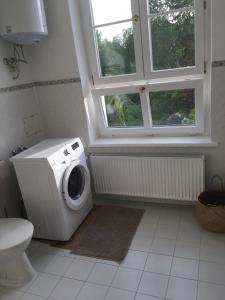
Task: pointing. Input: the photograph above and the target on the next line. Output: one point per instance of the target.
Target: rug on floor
(106, 233)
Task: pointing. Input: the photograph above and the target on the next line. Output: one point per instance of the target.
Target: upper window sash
(150, 41)
(125, 70)
(140, 66)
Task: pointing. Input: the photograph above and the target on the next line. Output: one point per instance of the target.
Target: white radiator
(175, 178)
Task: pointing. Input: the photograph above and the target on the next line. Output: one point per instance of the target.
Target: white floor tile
(135, 260)
(108, 262)
(39, 246)
(212, 238)
(158, 263)
(169, 217)
(127, 279)
(188, 215)
(31, 297)
(63, 252)
(10, 294)
(43, 285)
(102, 274)
(66, 289)
(166, 231)
(153, 284)
(141, 243)
(26, 287)
(209, 291)
(79, 269)
(212, 272)
(116, 294)
(58, 265)
(163, 246)
(212, 253)
(189, 233)
(151, 215)
(146, 297)
(186, 268)
(181, 289)
(187, 250)
(40, 260)
(146, 227)
(92, 292)
(148, 222)
(80, 257)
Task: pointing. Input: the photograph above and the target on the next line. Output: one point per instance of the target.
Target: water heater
(22, 21)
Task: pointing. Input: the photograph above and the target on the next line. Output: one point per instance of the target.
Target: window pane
(107, 11)
(116, 49)
(123, 110)
(173, 40)
(167, 5)
(173, 108)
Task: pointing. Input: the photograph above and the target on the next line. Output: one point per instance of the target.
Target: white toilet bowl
(15, 267)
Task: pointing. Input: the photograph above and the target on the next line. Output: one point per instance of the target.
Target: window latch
(142, 89)
(135, 18)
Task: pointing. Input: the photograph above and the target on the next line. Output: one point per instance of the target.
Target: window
(147, 61)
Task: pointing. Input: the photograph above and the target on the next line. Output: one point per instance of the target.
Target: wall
(20, 124)
(218, 34)
(63, 106)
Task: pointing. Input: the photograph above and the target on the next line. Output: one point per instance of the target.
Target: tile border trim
(218, 63)
(19, 87)
(29, 85)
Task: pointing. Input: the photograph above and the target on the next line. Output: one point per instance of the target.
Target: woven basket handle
(219, 179)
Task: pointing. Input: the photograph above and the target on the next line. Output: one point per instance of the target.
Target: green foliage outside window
(173, 46)
(124, 110)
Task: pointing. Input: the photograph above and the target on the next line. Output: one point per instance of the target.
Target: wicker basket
(211, 210)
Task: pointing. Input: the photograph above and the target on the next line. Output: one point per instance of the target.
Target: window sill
(154, 142)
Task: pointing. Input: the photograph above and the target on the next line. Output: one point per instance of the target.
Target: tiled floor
(170, 258)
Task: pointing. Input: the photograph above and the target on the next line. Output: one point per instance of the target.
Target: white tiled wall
(15, 109)
(63, 111)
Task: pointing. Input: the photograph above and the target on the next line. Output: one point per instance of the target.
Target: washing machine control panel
(66, 152)
(72, 151)
(75, 146)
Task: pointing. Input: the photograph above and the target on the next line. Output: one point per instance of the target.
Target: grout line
(178, 227)
(154, 234)
(199, 264)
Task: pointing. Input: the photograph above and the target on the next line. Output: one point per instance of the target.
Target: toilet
(15, 267)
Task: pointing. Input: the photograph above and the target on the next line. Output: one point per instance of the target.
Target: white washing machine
(55, 185)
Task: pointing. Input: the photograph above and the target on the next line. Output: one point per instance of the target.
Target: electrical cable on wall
(13, 63)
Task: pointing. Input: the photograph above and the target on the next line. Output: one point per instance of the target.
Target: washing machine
(55, 184)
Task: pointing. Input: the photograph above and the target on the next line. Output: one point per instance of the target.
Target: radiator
(175, 178)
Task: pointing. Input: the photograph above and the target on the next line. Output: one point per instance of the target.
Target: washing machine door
(76, 185)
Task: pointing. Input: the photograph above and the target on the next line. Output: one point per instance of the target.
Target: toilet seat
(14, 231)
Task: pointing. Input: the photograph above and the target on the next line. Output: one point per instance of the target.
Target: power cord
(13, 63)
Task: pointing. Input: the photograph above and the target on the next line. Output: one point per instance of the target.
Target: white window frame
(92, 44)
(148, 129)
(147, 44)
(160, 80)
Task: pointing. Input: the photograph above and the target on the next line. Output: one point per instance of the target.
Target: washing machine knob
(66, 152)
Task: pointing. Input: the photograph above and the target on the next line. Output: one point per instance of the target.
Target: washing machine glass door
(76, 185)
